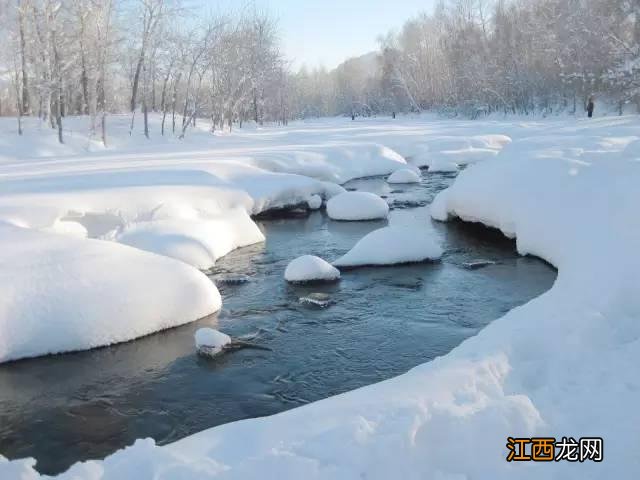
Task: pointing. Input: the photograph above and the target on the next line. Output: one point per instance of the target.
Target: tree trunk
(146, 119)
(24, 104)
(255, 107)
(103, 125)
(136, 81)
(163, 99)
(174, 103)
(84, 80)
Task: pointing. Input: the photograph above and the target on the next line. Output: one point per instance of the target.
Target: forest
(466, 57)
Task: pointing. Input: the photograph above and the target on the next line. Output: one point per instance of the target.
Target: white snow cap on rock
(210, 341)
(404, 175)
(314, 202)
(392, 245)
(357, 206)
(308, 268)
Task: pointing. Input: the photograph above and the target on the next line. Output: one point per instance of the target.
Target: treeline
(470, 57)
(475, 57)
(96, 57)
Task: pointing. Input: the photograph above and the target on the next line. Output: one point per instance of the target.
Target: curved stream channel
(381, 322)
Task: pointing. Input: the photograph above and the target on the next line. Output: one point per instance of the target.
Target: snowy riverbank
(561, 365)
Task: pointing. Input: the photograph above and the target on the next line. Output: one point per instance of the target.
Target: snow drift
(61, 293)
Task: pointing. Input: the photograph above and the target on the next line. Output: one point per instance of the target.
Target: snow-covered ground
(564, 364)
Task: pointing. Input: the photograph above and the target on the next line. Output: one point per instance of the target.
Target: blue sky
(327, 32)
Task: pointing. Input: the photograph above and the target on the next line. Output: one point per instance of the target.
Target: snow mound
(404, 175)
(357, 206)
(332, 189)
(210, 342)
(196, 241)
(314, 202)
(392, 245)
(309, 268)
(334, 162)
(61, 293)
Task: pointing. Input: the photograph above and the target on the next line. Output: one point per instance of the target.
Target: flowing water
(380, 322)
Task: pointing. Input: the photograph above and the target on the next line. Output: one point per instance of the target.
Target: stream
(380, 323)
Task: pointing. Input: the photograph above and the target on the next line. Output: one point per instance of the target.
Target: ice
(211, 342)
(233, 278)
(308, 268)
(477, 264)
(321, 300)
(392, 245)
(404, 176)
(357, 206)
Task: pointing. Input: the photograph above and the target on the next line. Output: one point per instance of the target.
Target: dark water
(382, 322)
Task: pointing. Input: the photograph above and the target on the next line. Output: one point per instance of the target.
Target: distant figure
(393, 114)
(590, 106)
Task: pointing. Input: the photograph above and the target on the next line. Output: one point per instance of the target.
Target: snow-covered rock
(211, 342)
(392, 245)
(357, 206)
(404, 175)
(309, 268)
(314, 202)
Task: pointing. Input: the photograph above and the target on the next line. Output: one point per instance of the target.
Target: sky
(327, 32)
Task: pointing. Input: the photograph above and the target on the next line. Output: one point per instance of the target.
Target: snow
(357, 206)
(563, 364)
(309, 268)
(439, 165)
(196, 241)
(314, 202)
(210, 342)
(62, 293)
(392, 245)
(404, 176)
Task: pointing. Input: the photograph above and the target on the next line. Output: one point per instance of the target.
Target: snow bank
(336, 162)
(196, 241)
(392, 245)
(357, 206)
(309, 268)
(404, 176)
(446, 153)
(439, 165)
(61, 293)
